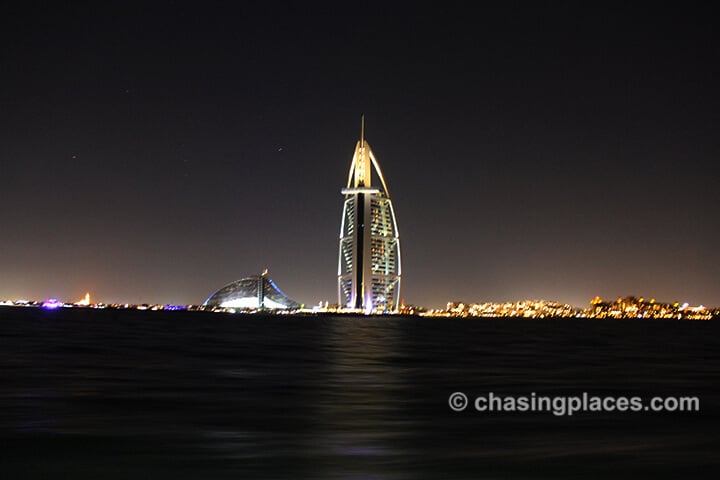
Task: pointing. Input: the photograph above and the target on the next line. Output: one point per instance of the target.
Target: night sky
(154, 153)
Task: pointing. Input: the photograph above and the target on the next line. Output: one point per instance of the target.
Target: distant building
(369, 268)
(252, 293)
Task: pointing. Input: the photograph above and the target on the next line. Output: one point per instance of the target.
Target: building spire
(362, 130)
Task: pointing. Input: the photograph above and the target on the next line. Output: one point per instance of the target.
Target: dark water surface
(123, 394)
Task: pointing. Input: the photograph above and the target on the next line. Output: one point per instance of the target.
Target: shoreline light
(52, 304)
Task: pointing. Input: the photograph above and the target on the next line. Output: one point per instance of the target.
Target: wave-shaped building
(369, 270)
(252, 293)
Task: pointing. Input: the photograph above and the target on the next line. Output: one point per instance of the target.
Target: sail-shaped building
(369, 269)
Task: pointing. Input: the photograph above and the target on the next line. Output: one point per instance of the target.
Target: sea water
(127, 394)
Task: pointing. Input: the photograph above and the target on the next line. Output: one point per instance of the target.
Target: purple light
(174, 307)
(52, 304)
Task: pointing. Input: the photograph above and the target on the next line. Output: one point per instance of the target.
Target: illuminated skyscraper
(369, 259)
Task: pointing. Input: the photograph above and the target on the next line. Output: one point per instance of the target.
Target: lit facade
(251, 293)
(369, 269)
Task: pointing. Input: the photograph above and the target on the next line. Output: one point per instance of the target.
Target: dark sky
(153, 153)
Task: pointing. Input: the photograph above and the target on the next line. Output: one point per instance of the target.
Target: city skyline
(152, 154)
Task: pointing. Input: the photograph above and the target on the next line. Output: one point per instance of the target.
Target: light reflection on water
(185, 395)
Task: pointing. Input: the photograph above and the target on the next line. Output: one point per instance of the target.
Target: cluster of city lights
(632, 307)
(54, 304)
(622, 307)
(526, 309)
